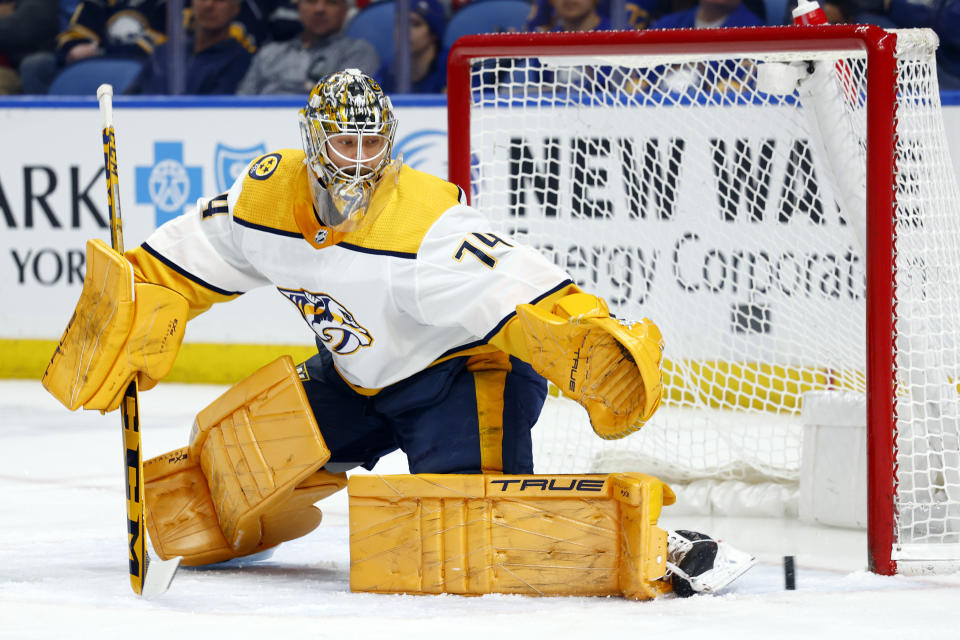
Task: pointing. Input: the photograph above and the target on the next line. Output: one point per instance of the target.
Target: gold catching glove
(610, 368)
(118, 330)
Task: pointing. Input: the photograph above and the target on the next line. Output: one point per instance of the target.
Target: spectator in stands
(567, 15)
(557, 15)
(283, 21)
(249, 27)
(709, 76)
(259, 22)
(709, 14)
(943, 16)
(121, 28)
(215, 62)
(428, 57)
(946, 22)
(67, 7)
(578, 15)
(297, 65)
(837, 11)
(27, 27)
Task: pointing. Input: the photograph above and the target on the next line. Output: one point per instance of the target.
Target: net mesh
(724, 198)
(928, 312)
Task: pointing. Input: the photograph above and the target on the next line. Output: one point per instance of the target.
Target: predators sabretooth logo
(331, 321)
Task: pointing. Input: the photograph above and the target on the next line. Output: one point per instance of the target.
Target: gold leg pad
(250, 476)
(180, 515)
(181, 519)
(530, 534)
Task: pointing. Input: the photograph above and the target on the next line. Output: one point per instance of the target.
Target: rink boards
(170, 152)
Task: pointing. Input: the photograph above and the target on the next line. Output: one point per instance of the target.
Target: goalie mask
(347, 129)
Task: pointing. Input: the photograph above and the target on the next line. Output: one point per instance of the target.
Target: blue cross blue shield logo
(168, 185)
(229, 163)
(420, 146)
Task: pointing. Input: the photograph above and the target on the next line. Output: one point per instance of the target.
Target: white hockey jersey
(426, 279)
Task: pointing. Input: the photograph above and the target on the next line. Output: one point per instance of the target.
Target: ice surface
(63, 563)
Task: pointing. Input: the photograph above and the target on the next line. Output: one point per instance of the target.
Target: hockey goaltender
(434, 336)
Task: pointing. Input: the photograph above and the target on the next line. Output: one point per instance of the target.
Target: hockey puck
(789, 574)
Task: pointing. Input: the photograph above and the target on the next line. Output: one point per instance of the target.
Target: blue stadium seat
(486, 16)
(374, 23)
(83, 78)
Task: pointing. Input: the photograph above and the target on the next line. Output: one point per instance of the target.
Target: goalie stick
(146, 578)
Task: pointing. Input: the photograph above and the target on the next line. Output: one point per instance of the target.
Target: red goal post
(487, 73)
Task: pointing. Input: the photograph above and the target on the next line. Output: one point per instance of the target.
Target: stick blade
(158, 576)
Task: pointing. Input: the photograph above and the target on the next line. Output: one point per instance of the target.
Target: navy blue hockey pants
(464, 415)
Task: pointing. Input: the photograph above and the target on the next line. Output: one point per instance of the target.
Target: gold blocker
(542, 535)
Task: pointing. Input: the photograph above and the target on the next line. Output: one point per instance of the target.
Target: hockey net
(718, 183)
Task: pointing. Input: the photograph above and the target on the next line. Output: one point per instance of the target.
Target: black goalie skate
(696, 563)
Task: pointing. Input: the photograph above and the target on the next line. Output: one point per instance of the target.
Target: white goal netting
(725, 197)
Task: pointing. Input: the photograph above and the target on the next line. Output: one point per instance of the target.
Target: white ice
(63, 563)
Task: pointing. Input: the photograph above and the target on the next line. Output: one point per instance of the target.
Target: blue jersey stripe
(186, 274)
(377, 252)
(486, 339)
(260, 227)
